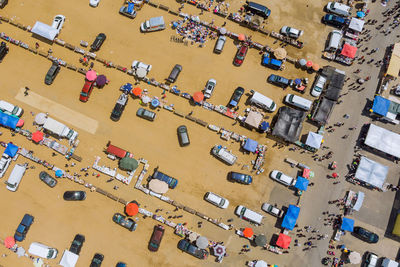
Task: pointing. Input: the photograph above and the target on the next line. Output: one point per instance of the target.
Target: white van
(262, 101)
(10, 108)
(389, 263)
(42, 251)
(338, 8)
(153, 24)
(249, 215)
(15, 177)
(219, 45)
(298, 101)
(334, 40)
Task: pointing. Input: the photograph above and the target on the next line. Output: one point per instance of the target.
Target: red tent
(248, 232)
(335, 175)
(349, 51)
(198, 97)
(283, 241)
(309, 64)
(37, 136)
(132, 209)
(118, 152)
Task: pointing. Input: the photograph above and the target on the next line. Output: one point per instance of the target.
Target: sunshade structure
(302, 62)
(219, 251)
(202, 242)
(309, 64)
(155, 102)
(248, 232)
(356, 24)
(40, 118)
(158, 186)
(393, 68)
(289, 221)
(141, 73)
(360, 14)
(20, 252)
(136, 91)
(302, 183)
(360, 199)
(316, 67)
(146, 99)
(37, 136)
(11, 150)
(198, 97)
(383, 140)
(289, 124)
(280, 53)
(347, 224)
(44, 30)
(193, 236)
(127, 87)
(59, 173)
(222, 31)
(91, 75)
(283, 241)
(349, 51)
(264, 126)
(250, 145)
(241, 37)
(297, 81)
(254, 119)
(132, 209)
(116, 151)
(354, 257)
(69, 259)
(260, 240)
(261, 263)
(101, 80)
(9, 242)
(314, 140)
(380, 106)
(129, 164)
(371, 172)
(336, 81)
(8, 121)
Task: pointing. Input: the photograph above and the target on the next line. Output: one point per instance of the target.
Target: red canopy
(37, 136)
(132, 209)
(9, 242)
(349, 51)
(248, 232)
(198, 97)
(306, 173)
(283, 241)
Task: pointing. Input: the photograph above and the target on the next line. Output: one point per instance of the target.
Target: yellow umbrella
(280, 53)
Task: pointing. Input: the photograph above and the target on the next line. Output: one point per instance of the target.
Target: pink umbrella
(91, 75)
(335, 175)
(309, 64)
(9, 242)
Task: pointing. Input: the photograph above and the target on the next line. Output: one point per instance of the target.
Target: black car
(237, 94)
(365, 235)
(183, 136)
(98, 42)
(77, 244)
(3, 50)
(97, 260)
(146, 114)
(279, 81)
(240, 178)
(47, 179)
(128, 223)
(174, 73)
(52, 73)
(119, 107)
(74, 195)
(186, 246)
(334, 20)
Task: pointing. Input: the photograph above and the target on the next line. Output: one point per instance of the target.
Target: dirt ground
(57, 221)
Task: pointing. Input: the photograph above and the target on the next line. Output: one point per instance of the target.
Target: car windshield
(222, 202)
(84, 94)
(278, 175)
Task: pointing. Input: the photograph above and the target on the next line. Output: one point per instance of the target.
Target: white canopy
(314, 140)
(69, 259)
(356, 24)
(44, 30)
(359, 202)
(383, 140)
(371, 172)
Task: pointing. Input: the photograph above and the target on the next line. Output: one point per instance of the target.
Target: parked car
(209, 89)
(97, 43)
(94, 3)
(335, 20)
(127, 223)
(183, 136)
(121, 264)
(236, 96)
(47, 179)
(146, 114)
(318, 86)
(74, 195)
(128, 10)
(240, 177)
(3, 51)
(258, 9)
(365, 235)
(58, 22)
(77, 244)
(216, 200)
(268, 208)
(97, 260)
(10, 109)
(338, 8)
(86, 91)
(291, 32)
(240, 55)
(282, 178)
(174, 73)
(3, 3)
(156, 238)
(172, 182)
(52, 73)
(279, 81)
(119, 107)
(187, 247)
(270, 62)
(223, 154)
(371, 260)
(23, 227)
(249, 215)
(219, 44)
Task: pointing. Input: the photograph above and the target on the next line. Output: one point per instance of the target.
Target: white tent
(371, 172)
(356, 24)
(360, 199)
(314, 140)
(44, 30)
(383, 140)
(69, 259)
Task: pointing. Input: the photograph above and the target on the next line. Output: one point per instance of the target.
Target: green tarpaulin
(129, 164)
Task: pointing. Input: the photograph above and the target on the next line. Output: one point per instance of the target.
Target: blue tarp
(264, 126)
(381, 105)
(301, 183)
(250, 145)
(347, 224)
(11, 150)
(289, 221)
(130, 8)
(127, 87)
(8, 121)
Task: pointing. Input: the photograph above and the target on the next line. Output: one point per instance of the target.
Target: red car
(240, 55)
(86, 91)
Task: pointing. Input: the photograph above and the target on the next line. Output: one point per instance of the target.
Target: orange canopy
(248, 232)
(136, 91)
(315, 67)
(198, 97)
(132, 209)
(241, 37)
(283, 241)
(9, 242)
(37, 136)
(349, 51)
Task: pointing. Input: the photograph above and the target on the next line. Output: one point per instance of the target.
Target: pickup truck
(23, 227)
(271, 62)
(223, 154)
(172, 182)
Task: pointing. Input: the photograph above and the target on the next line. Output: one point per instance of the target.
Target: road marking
(71, 117)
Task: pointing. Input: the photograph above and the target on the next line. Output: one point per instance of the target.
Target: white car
(4, 163)
(291, 32)
(58, 22)
(338, 8)
(137, 64)
(216, 200)
(318, 86)
(268, 208)
(371, 260)
(94, 3)
(209, 89)
(282, 178)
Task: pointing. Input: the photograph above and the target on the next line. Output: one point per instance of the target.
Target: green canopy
(129, 164)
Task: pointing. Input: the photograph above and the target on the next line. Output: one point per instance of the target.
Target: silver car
(209, 89)
(216, 200)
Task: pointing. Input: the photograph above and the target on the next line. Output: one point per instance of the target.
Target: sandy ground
(57, 221)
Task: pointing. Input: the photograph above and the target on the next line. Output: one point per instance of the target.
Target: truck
(172, 182)
(153, 24)
(23, 227)
(271, 62)
(223, 154)
(60, 129)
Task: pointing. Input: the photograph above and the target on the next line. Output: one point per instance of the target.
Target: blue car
(240, 178)
(23, 227)
(172, 182)
(335, 20)
(271, 62)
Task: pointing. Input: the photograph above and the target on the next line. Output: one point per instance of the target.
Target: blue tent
(264, 126)
(127, 87)
(347, 224)
(130, 8)
(8, 121)
(250, 145)
(360, 14)
(11, 150)
(381, 105)
(289, 221)
(302, 183)
(297, 81)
